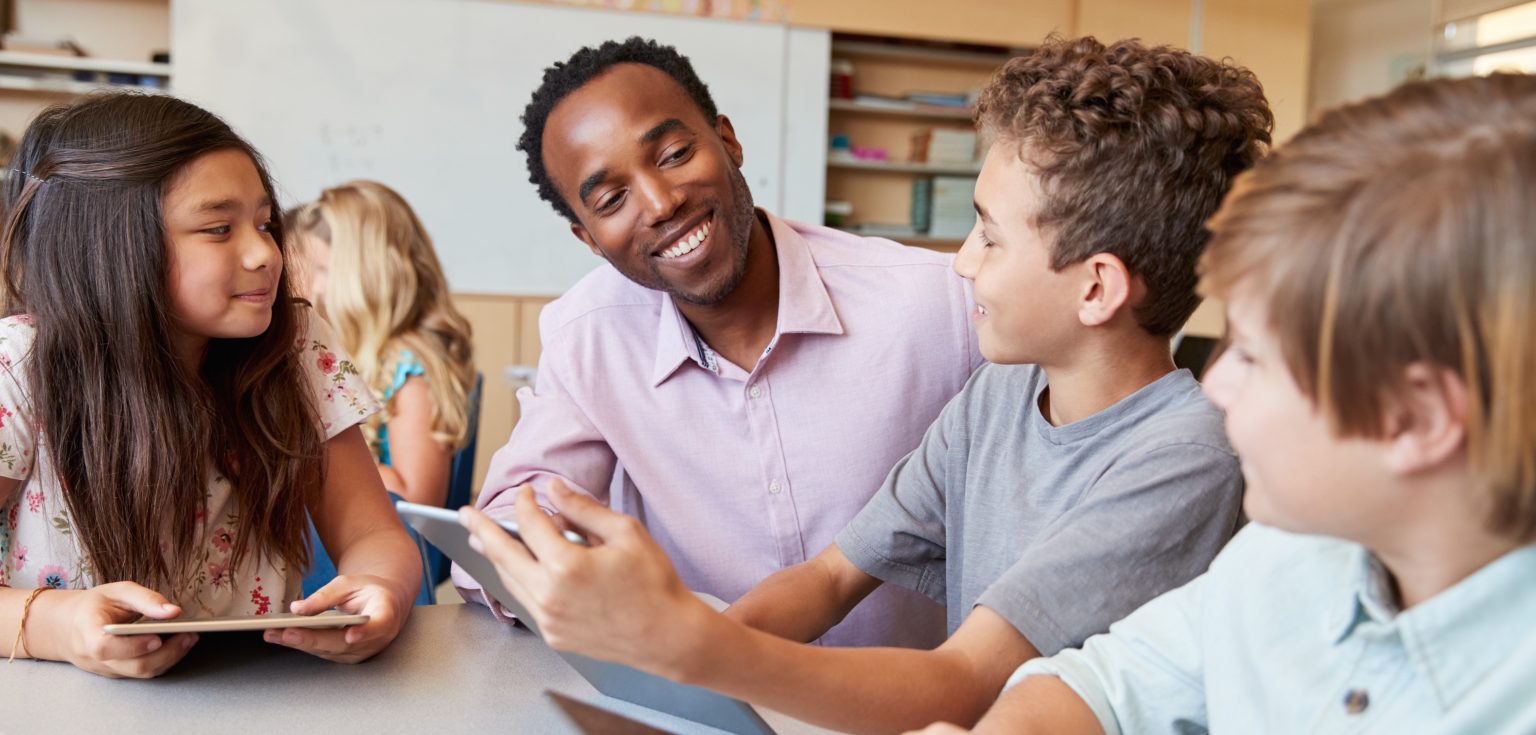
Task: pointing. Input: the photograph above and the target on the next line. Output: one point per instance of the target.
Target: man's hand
(618, 600)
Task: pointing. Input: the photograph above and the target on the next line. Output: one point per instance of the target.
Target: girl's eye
(986, 242)
(220, 230)
(265, 226)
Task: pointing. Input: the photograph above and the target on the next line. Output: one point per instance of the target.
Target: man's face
(656, 186)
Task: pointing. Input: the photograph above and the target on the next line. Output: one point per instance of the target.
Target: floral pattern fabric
(38, 548)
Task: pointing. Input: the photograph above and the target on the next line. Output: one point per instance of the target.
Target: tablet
(441, 527)
(452, 516)
(328, 619)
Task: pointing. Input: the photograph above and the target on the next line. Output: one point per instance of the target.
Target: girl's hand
(365, 594)
(70, 622)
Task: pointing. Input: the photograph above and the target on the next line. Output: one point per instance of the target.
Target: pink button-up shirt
(739, 473)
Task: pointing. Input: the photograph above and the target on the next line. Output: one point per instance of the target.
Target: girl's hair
(1402, 230)
(132, 434)
(387, 294)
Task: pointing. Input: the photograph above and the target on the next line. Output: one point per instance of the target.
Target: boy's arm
(620, 600)
(803, 602)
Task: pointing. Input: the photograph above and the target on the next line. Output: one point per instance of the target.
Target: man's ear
(727, 135)
(1106, 289)
(1426, 419)
(586, 237)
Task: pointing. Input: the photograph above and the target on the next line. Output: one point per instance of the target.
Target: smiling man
(739, 383)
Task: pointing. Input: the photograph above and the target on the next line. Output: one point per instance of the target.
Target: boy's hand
(66, 625)
(365, 594)
(619, 600)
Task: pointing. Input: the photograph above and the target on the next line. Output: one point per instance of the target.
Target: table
(454, 668)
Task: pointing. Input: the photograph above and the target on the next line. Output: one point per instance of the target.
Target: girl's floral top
(37, 547)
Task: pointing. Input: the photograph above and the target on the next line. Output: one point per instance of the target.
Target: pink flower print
(218, 575)
(23, 319)
(262, 602)
(327, 362)
(5, 412)
(53, 576)
(13, 517)
(223, 539)
(35, 501)
(19, 557)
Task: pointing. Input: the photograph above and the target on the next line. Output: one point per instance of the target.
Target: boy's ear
(1426, 419)
(1108, 288)
(586, 237)
(727, 135)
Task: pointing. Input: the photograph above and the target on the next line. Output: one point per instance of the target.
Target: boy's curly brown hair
(1135, 148)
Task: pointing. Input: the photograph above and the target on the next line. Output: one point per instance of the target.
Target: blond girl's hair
(1402, 230)
(387, 294)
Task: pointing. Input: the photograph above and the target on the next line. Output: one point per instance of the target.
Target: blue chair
(461, 479)
(434, 565)
(322, 569)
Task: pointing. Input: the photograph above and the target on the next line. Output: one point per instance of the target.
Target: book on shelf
(939, 99)
(883, 102)
(922, 204)
(953, 212)
(944, 147)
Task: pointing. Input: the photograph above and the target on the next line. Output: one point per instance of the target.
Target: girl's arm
(419, 463)
(65, 625)
(378, 567)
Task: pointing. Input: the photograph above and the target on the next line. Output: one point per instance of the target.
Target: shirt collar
(1456, 637)
(1367, 596)
(805, 307)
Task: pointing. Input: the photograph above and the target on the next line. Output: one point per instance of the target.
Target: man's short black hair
(564, 78)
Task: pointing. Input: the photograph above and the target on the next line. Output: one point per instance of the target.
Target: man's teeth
(687, 244)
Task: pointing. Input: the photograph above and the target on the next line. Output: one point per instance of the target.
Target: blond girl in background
(370, 268)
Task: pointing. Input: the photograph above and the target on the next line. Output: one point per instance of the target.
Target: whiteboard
(426, 96)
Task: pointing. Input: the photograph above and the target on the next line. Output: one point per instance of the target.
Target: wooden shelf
(905, 168)
(946, 244)
(66, 86)
(916, 110)
(916, 53)
(78, 63)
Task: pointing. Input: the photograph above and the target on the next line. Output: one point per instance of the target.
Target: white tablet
(328, 619)
(441, 527)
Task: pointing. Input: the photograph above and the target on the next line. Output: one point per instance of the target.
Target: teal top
(1291, 633)
(406, 367)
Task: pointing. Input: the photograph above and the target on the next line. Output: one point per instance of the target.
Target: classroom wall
(1362, 48)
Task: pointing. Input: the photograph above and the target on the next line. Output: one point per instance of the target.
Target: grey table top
(454, 668)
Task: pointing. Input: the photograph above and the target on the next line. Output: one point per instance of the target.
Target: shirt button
(1356, 700)
(755, 392)
(774, 487)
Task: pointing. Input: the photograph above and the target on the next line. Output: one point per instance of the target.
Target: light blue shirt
(1299, 634)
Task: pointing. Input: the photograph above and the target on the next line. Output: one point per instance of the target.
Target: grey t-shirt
(1061, 530)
